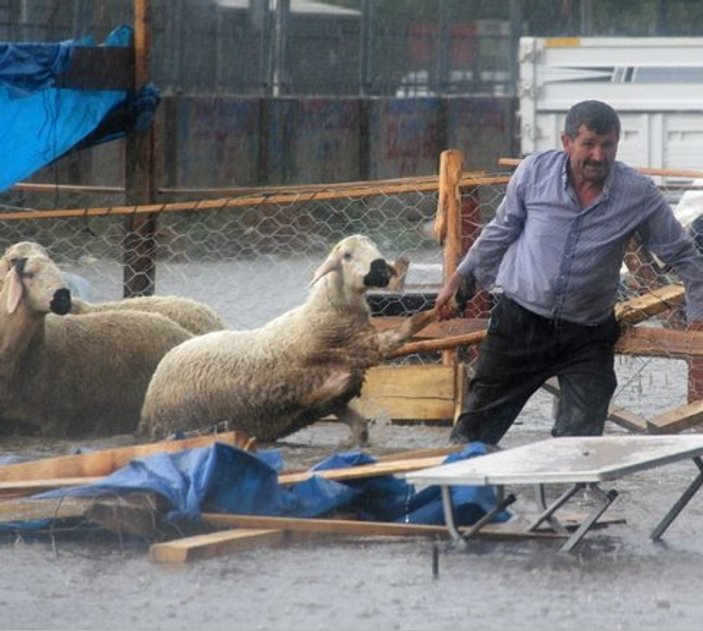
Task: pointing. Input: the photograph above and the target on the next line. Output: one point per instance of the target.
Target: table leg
(587, 524)
(548, 511)
(448, 509)
(680, 503)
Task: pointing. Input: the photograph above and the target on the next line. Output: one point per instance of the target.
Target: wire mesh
(251, 256)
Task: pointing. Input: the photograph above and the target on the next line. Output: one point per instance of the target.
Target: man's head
(597, 116)
(591, 135)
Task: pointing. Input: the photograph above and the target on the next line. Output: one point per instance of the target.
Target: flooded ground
(618, 578)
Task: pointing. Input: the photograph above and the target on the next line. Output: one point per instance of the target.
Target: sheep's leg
(357, 423)
(390, 339)
(336, 384)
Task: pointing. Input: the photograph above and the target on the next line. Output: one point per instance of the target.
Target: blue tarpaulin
(225, 479)
(40, 122)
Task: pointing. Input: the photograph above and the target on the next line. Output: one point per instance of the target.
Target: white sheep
(304, 365)
(68, 375)
(194, 316)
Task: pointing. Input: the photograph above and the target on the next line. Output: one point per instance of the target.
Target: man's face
(591, 155)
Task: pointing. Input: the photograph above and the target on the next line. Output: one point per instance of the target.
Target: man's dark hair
(597, 116)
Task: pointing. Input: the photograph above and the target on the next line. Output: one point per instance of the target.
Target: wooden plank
(673, 421)
(214, 544)
(242, 532)
(652, 303)
(427, 346)
(111, 504)
(402, 455)
(414, 392)
(627, 420)
(515, 528)
(21, 488)
(105, 461)
(364, 471)
(630, 311)
(667, 343)
(329, 526)
(419, 453)
(400, 409)
(59, 508)
(416, 381)
(512, 529)
(290, 196)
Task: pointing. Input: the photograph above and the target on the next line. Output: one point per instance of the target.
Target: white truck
(655, 84)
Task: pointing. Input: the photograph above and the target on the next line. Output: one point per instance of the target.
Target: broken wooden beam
(27, 509)
(243, 532)
(631, 312)
(361, 528)
(389, 464)
(105, 461)
(214, 544)
(655, 342)
(647, 305)
(674, 421)
(22, 488)
(364, 470)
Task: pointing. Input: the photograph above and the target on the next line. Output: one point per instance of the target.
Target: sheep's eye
(347, 256)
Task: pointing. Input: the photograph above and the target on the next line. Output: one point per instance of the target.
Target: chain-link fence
(250, 256)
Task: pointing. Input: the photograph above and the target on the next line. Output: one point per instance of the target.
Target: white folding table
(581, 462)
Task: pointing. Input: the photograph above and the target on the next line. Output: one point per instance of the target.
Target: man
(554, 252)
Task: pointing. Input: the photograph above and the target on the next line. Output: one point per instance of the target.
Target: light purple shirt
(562, 261)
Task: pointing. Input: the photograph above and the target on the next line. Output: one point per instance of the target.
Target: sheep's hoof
(362, 436)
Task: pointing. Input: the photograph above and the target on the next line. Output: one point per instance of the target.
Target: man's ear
(565, 140)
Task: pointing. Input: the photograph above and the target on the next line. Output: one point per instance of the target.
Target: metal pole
(365, 46)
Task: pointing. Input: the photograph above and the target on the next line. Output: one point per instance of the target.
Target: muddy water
(618, 579)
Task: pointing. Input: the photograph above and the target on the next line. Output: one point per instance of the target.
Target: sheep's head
(19, 250)
(359, 262)
(38, 283)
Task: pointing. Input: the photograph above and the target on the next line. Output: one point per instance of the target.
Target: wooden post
(449, 218)
(140, 230)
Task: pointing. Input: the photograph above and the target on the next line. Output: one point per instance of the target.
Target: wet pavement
(617, 579)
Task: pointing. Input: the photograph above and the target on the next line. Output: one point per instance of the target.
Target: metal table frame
(591, 461)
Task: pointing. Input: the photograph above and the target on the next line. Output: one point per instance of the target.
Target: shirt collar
(606, 185)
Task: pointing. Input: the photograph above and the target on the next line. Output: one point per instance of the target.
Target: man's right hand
(452, 298)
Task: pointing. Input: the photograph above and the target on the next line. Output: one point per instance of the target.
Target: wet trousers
(520, 352)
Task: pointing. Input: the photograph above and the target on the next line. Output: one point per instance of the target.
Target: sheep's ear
(15, 289)
(330, 264)
(399, 271)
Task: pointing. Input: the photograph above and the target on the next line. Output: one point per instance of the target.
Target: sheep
(194, 316)
(305, 364)
(67, 375)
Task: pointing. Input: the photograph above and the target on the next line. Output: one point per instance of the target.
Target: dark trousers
(520, 352)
